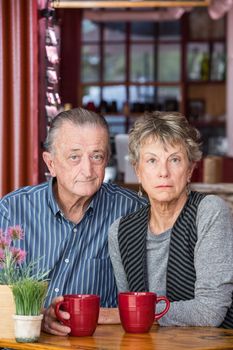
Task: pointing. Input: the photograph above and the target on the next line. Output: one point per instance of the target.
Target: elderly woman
(181, 244)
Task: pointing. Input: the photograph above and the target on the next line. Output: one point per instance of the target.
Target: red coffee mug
(138, 310)
(84, 313)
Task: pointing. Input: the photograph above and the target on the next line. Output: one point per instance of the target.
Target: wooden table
(113, 337)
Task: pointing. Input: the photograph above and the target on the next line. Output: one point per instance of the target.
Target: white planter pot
(27, 328)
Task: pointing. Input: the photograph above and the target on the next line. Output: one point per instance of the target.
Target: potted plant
(26, 288)
(29, 296)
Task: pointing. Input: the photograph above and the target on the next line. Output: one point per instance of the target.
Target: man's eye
(98, 157)
(151, 161)
(74, 157)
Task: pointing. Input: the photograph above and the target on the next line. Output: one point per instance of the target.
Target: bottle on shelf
(218, 66)
(126, 108)
(67, 106)
(205, 67)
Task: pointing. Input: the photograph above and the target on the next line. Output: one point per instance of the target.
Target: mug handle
(167, 306)
(58, 314)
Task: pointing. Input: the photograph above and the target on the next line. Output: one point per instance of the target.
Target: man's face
(78, 159)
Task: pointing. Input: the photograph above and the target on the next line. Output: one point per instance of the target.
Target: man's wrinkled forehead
(77, 136)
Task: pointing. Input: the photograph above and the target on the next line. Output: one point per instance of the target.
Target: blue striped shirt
(76, 254)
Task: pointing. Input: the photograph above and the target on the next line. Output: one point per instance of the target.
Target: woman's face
(163, 170)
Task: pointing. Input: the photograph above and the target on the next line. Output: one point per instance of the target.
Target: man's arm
(4, 216)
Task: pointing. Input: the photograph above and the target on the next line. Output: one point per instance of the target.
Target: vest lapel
(132, 243)
(181, 274)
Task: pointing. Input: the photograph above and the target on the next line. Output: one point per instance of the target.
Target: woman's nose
(163, 170)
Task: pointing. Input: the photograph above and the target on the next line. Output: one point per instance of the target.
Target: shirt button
(66, 261)
(75, 230)
(56, 290)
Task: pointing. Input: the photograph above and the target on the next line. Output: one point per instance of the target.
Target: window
(130, 67)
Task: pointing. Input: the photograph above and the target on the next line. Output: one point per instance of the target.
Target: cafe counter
(113, 337)
(224, 190)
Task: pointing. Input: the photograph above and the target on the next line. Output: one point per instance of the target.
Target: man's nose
(86, 166)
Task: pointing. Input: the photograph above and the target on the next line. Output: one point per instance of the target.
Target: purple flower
(15, 232)
(18, 255)
(2, 258)
(4, 242)
(13, 270)
(10, 256)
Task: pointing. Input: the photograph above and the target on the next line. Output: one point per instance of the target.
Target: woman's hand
(109, 316)
(50, 322)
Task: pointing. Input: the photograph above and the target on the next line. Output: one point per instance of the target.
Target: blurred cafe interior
(118, 58)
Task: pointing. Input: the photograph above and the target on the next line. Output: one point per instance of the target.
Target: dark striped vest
(181, 274)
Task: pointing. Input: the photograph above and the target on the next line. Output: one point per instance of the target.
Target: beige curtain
(18, 94)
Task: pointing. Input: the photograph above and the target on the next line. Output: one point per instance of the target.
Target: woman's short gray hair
(79, 117)
(168, 127)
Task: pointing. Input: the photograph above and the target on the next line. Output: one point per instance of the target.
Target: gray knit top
(213, 262)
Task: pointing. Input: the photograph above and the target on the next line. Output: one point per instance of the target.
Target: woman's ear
(135, 166)
(192, 167)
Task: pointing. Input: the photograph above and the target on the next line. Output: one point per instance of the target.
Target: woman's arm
(213, 260)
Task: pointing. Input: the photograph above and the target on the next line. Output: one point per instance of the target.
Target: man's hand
(51, 324)
(109, 316)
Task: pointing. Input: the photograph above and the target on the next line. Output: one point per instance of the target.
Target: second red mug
(138, 310)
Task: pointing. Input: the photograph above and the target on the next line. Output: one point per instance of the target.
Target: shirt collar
(54, 205)
(52, 201)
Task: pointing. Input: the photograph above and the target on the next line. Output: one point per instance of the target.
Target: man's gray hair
(78, 117)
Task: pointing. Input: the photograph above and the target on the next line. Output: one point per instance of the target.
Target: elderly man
(66, 220)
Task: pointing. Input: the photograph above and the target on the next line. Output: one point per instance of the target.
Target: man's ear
(48, 159)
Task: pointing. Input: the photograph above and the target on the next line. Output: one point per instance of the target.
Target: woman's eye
(175, 160)
(151, 161)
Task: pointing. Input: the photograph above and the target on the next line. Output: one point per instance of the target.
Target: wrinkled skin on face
(164, 171)
(78, 160)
